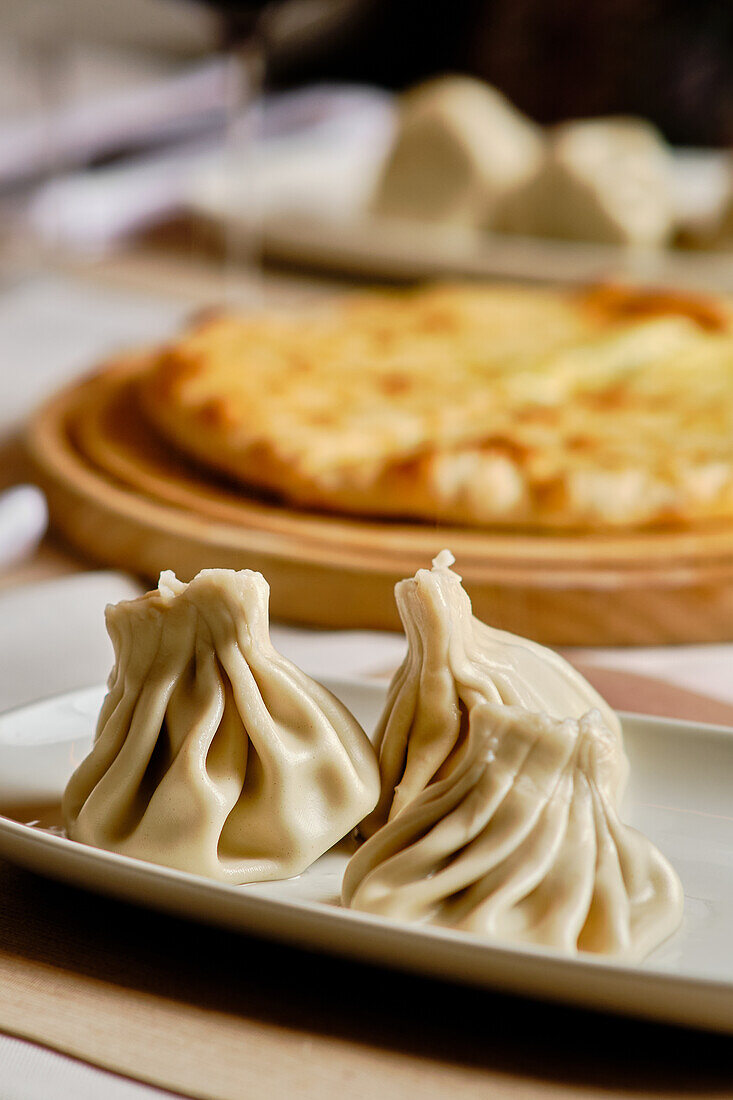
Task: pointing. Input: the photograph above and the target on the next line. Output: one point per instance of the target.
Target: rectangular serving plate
(680, 795)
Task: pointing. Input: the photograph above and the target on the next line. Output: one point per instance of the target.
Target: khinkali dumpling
(505, 818)
(214, 754)
(453, 663)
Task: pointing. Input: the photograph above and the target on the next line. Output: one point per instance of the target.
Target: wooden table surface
(318, 1027)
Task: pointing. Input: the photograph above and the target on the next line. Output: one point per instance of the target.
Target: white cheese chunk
(460, 147)
(606, 180)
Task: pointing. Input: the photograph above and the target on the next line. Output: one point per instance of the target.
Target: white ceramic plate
(681, 795)
(380, 248)
(313, 210)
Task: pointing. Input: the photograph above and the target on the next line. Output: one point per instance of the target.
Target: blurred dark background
(670, 61)
(119, 117)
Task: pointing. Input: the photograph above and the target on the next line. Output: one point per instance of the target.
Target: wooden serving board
(124, 498)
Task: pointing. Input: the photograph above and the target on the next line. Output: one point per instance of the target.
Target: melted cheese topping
(515, 402)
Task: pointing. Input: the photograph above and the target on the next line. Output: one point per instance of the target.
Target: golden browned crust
(615, 302)
(476, 405)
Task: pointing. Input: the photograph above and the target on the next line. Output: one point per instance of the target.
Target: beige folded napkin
(649, 695)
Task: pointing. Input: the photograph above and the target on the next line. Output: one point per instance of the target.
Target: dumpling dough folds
(214, 754)
(522, 842)
(453, 663)
(502, 772)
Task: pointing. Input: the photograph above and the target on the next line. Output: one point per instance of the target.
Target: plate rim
(595, 982)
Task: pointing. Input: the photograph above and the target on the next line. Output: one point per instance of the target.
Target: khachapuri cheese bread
(489, 406)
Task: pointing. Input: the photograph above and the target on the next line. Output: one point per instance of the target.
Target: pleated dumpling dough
(505, 821)
(214, 754)
(453, 663)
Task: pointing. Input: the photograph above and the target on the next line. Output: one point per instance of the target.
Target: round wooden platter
(124, 498)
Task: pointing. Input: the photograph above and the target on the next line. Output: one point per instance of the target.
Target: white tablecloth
(49, 330)
(28, 1072)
